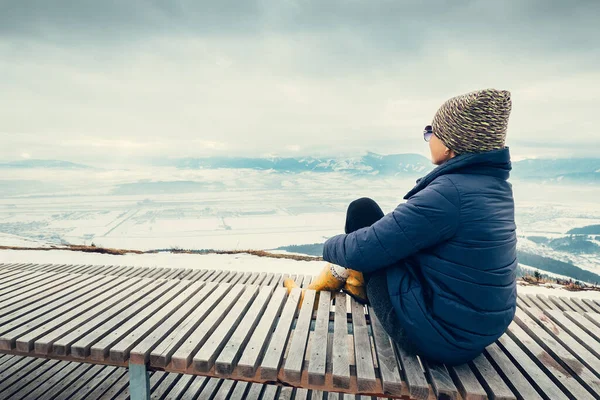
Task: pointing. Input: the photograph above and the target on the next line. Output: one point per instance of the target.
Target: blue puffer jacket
(450, 255)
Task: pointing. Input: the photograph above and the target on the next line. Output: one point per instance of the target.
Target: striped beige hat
(474, 122)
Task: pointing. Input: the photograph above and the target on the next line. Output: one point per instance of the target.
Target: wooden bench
(243, 326)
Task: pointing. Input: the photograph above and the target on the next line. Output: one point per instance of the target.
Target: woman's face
(439, 152)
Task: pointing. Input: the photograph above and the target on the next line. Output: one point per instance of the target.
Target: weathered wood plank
(340, 358)
(21, 326)
(182, 357)
(539, 379)
(467, 383)
(512, 375)
(50, 298)
(59, 342)
(318, 353)
(389, 368)
(120, 350)
(295, 359)
(224, 390)
(194, 388)
(51, 389)
(546, 301)
(205, 358)
(560, 304)
(575, 331)
(12, 307)
(228, 358)
(269, 367)
(255, 348)
(440, 380)
(98, 388)
(415, 378)
(592, 305)
(549, 358)
(69, 321)
(490, 379)
(365, 370)
(572, 304)
(548, 334)
(82, 347)
(161, 355)
(587, 325)
(140, 354)
(239, 392)
(96, 372)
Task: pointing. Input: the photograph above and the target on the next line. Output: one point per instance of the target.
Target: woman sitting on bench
(439, 270)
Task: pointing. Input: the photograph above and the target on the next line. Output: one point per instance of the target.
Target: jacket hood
(494, 163)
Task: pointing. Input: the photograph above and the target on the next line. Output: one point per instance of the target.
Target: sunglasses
(427, 133)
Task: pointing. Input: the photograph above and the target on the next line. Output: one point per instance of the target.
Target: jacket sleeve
(429, 217)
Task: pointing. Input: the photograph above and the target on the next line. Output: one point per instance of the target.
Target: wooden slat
(59, 342)
(140, 354)
(575, 331)
(161, 355)
(120, 350)
(440, 380)
(340, 358)
(592, 305)
(184, 354)
(255, 348)
(389, 368)
(572, 304)
(415, 378)
(81, 348)
(546, 301)
(467, 383)
(64, 379)
(513, 376)
(21, 326)
(581, 304)
(87, 382)
(550, 359)
(230, 355)
(179, 388)
(205, 358)
(295, 358)
(539, 378)
(254, 391)
(43, 295)
(560, 304)
(490, 380)
(269, 367)
(587, 325)
(542, 328)
(165, 386)
(14, 378)
(524, 300)
(365, 370)
(224, 390)
(194, 389)
(318, 353)
(65, 323)
(239, 392)
(50, 299)
(100, 387)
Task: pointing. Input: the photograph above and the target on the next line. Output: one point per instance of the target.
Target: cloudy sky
(114, 80)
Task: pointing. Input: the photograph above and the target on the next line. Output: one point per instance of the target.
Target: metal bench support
(139, 382)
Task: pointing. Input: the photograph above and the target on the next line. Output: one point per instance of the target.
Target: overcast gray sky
(113, 80)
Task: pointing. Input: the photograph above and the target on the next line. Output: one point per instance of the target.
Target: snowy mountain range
(46, 164)
(573, 170)
(370, 163)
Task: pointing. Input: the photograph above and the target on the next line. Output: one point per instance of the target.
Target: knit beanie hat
(474, 122)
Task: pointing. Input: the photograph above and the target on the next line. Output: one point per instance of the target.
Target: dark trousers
(362, 213)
